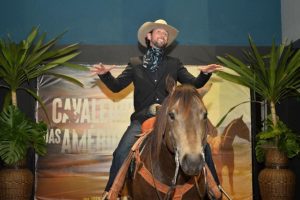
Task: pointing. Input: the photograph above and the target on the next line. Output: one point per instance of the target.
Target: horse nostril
(192, 164)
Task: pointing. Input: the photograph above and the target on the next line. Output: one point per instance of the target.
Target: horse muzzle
(192, 164)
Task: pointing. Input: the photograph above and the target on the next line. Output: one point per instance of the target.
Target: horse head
(244, 131)
(182, 126)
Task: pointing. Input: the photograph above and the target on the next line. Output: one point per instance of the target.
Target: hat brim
(149, 26)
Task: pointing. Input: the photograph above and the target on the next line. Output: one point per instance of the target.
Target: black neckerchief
(152, 58)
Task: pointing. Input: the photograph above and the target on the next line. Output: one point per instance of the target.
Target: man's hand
(211, 68)
(153, 109)
(100, 69)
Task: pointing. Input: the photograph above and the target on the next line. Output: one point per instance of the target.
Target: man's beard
(160, 45)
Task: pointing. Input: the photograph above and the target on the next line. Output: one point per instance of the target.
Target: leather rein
(174, 191)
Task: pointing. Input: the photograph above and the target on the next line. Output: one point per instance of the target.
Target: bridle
(170, 192)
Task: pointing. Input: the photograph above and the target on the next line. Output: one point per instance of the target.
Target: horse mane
(160, 125)
(183, 95)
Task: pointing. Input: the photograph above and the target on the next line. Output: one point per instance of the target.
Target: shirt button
(155, 80)
(157, 99)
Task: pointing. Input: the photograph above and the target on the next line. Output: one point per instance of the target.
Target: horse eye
(205, 115)
(171, 115)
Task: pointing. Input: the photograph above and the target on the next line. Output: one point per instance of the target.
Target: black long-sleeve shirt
(150, 87)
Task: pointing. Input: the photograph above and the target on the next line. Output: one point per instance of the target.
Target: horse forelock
(185, 98)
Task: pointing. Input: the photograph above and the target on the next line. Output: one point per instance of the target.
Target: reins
(211, 187)
(171, 189)
(179, 190)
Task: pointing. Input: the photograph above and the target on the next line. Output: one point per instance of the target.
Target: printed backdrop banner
(86, 124)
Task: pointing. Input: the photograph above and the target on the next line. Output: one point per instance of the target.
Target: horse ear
(170, 84)
(202, 91)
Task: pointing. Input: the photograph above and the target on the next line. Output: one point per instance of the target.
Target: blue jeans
(125, 144)
(122, 150)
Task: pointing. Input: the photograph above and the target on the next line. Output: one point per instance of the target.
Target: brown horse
(172, 156)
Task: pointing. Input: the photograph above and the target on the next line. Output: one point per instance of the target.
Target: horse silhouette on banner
(222, 146)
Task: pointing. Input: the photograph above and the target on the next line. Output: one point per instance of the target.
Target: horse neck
(162, 168)
(229, 133)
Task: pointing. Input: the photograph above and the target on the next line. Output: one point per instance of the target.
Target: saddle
(147, 126)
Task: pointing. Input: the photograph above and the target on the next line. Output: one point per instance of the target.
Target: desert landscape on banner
(87, 123)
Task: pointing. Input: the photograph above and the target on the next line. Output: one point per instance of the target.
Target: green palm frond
(274, 76)
(32, 57)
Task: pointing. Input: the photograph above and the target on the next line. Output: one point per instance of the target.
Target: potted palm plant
(19, 64)
(274, 77)
(17, 135)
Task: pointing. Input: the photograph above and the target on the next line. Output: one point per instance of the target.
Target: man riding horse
(148, 74)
